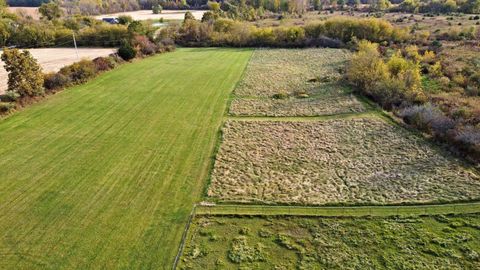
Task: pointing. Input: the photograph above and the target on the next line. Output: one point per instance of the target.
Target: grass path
(338, 211)
(104, 175)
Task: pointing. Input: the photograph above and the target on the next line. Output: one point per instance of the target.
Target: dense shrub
(467, 139)
(5, 107)
(54, 81)
(104, 63)
(344, 29)
(469, 136)
(127, 52)
(9, 96)
(144, 46)
(427, 118)
(103, 35)
(32, 35)
(125, 19)
(79, 72)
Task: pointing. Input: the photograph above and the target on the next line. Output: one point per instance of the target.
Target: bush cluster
(430, 119)
(33, 34)
(438, 6)
(396, 82)
(390, 82)
(79, 72)
(334, 32)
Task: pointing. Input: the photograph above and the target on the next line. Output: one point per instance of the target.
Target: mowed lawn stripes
(104, 175)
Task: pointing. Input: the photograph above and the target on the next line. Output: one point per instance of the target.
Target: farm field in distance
(435, 242)
(104, 175)
(294, 82)
(148, 14)
(30, 11)
(53, 59)
(136, 15)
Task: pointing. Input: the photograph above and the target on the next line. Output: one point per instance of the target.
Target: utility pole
(75, 44)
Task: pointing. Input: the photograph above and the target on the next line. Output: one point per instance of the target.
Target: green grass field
(104, 175)
(414, 242)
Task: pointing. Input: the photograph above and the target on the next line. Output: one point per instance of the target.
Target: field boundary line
(369, 113)
(184, 237)
(338, 211)
(219, 133)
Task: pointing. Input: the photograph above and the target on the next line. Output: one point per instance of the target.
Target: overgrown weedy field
(326, 99)
(104, 175)
(294, 82)
(363, 160)
(438, 242)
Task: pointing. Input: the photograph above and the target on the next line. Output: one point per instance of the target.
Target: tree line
(92, 7)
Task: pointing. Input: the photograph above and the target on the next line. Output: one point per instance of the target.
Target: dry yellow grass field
(362, 160)
(53, 59)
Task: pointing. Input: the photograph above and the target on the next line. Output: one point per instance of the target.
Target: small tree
(136, 27)
(213, 6)
(157, 9)
(379, 5)
(125, 19)
(3, 6)
(24, 73)
(50, 11)
(127, 52)
(367, 68)
(4, 32)
(189, 16)
(209, 16)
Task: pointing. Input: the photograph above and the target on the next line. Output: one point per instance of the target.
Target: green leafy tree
(213, 6)
(50, 11)
(209, 16)
(125, 19)
(410, 5)
(4, 32)
(24, 73)
(136, 27)
(276, 5)
(473, 6)
(3, 6)
(127, 52)
(367, 68)
(379, 5)
(157, 9)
